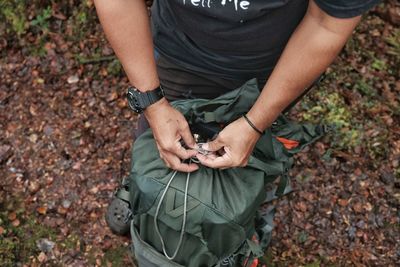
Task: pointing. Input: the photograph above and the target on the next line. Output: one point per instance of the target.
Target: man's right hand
(169, 128)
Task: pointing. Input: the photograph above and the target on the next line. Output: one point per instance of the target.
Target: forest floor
(66, 135)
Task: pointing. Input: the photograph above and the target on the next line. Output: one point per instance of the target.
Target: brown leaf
(12, 216)
(302, 206)
(5, 152)
(343, 202)
(368, 206)
(42, 257)
(394, 15)
(16, 223)
(61, 210)
(113, 96)
(42, 210)
(59, 16)
(33, 110)
(33, 138)
(33, 187)
(357, 207)
(122, 103)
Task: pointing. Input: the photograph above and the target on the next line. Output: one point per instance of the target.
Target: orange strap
(287, 143)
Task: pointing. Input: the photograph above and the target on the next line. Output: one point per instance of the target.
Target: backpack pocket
(146, 255)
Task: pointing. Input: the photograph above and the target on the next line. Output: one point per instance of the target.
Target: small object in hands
(252, 125)
(201, 150)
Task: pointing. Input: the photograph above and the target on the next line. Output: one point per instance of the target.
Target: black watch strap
(139, 101)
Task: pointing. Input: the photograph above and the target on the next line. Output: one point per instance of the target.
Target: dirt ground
(66, 135)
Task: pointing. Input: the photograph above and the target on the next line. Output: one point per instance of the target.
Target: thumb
(188, 137)
(214, 145)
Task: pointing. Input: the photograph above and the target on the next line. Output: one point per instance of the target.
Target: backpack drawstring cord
(183, 220)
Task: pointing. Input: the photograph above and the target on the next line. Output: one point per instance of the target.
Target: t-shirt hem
(346, 12)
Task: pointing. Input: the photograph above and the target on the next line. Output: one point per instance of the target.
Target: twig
(95, 60)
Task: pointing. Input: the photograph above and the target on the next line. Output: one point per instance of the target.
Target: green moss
(8, 249)
(116, 256)
(313, 264)
(377, 145)
(114, 68)
(73, 241)
(331, 109)
(19, 243)
(82, 21)
(365, 88)
(13, 13)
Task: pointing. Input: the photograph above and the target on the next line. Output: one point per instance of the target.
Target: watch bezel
(135, 106)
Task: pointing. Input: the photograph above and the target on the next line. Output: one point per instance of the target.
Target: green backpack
(210, 217)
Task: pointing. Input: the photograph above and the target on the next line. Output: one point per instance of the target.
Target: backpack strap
(265, 225)
(284, 186)
(123, 191)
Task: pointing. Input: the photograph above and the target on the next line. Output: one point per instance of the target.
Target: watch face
(133, 101)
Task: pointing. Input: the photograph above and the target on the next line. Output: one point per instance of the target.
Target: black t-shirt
(235, 39)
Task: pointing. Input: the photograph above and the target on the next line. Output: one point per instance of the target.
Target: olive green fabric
(222, 204)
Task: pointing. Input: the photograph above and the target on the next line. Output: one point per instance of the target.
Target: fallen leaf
(357, 207)
(16, 223)
(12, 216)
(113, 96)
(33, 138)
(368, 206)
(343, 202)
(61, 210)
(42, 210)
(33, 187)
(42, 257)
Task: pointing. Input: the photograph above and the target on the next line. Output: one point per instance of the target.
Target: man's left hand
(233, 145)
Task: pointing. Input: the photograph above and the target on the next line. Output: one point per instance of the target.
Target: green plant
(394, 42)
(42, 19)
(13, 13)
(115, 257)
(365, 88)
(330, 108)
(313, 264)
(114, 67)
(19, 242)
(378, 64)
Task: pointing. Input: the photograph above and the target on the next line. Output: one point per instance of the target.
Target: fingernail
(206, 146)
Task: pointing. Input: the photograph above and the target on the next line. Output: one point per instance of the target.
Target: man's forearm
(312, 47)
(127, 27)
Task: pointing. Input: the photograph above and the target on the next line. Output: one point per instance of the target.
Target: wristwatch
(139, 101)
